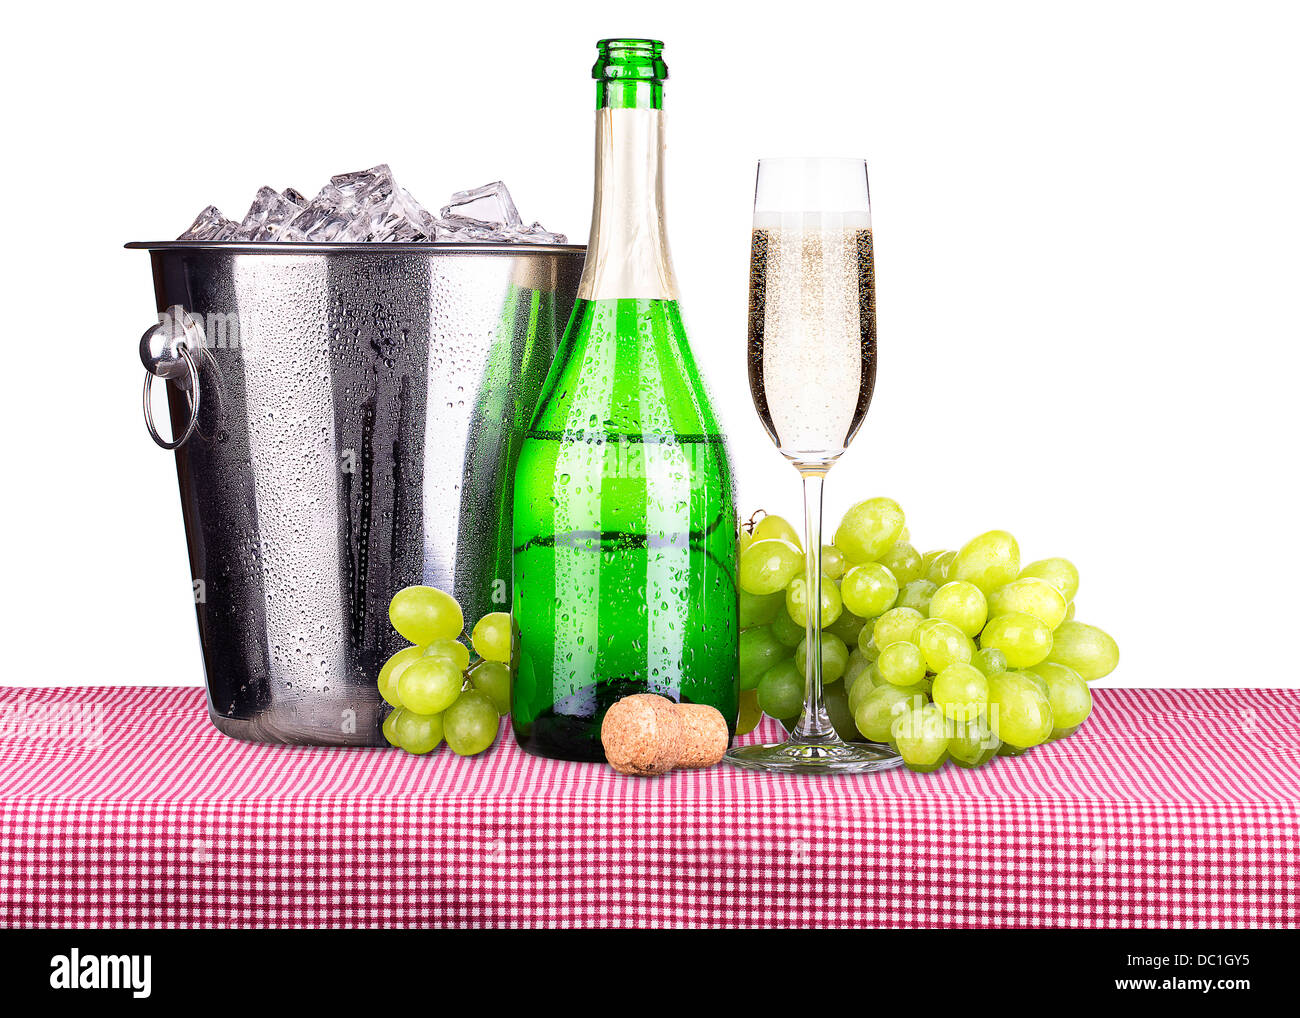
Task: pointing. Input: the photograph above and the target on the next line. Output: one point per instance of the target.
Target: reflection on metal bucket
(356, 420)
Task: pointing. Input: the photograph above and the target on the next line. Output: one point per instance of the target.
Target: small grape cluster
(435, 690)
(948, 656)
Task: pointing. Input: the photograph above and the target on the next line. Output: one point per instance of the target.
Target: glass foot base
(814, 758)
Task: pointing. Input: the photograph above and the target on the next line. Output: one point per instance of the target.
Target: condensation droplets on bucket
(360, 415)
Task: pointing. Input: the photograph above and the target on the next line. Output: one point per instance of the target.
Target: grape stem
(814, 724)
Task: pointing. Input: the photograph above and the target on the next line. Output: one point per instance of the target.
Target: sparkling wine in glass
(812, 369)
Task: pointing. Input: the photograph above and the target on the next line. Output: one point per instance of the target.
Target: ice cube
(538, 234)
(210, 225)
(339, 203)
(454, 232)
(321, 219)
(486, 207)
(395, 217)
(266, 216)
(458, 230)
(295, 196)
(364, 185)
(359, 207)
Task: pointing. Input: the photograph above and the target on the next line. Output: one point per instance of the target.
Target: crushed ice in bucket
(368, 206)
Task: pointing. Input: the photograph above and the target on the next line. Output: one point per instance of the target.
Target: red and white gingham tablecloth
(124, 807)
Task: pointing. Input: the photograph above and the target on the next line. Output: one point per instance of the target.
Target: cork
(640, 734)
(646, 734)
(703, 736)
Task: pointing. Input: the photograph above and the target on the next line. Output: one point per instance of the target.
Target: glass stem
(814, 724)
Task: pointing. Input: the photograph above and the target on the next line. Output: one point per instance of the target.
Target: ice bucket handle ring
(166, 350)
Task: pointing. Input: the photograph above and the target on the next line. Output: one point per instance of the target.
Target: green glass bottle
(624, 506)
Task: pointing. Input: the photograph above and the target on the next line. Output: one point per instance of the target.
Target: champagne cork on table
(703, 737)
(646, 734)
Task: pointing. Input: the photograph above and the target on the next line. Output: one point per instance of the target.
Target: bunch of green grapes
(948, 655)
(437, 692)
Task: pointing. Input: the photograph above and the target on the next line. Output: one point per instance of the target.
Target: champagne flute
(812, 368)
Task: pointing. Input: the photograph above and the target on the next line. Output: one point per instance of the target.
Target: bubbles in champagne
(812, 330)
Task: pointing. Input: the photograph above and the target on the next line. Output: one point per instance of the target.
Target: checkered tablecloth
(124, 807)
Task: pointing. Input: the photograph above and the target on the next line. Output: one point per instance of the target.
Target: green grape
(759, 651)
(1006, 749)
(895, 625)
(492, 637)
(921, 627)
(430, 685)
(869, 529)
(786, 629)
(1018, 711)
(778, 527)
(921, 736)
(1067, 693)
(750, 712)
(988, 561)
(901, 664)
(760, 611)
(470, 724)
(425, 614)
(1033, 597)
(833, 561)
(493, 677)
(452, 650)
(848, 626)
(835, 657)
(857, 665)
(917, 595)
(745, 540)
(1069, 612)
(904, 561)
(780, 690)
(390, 725)
(1088, 650)
(1024, 639)
(989, 660)
(921, 689)
(868, 647)
(961, 603)
(418, 733)
(936, 571)
(961, 691)
(862, 685)
(869, 590)
(943, 644)
(876, 711)
(972, 744)
(796, 601)
(1059, 572)
(392, 671)
(836, 702)
(1062, 733)
(769, 565)
(928, 558)
(1034, 677)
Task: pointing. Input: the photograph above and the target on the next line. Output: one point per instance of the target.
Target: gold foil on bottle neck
(627, 254)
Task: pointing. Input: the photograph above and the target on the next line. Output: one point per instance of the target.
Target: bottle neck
(629, 93)
(627, 253)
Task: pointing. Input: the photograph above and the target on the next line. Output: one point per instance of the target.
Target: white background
(1085, 216)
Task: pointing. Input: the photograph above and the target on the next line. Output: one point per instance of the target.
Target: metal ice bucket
(348, 420)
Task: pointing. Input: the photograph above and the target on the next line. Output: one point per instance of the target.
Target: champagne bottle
(624, 505)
